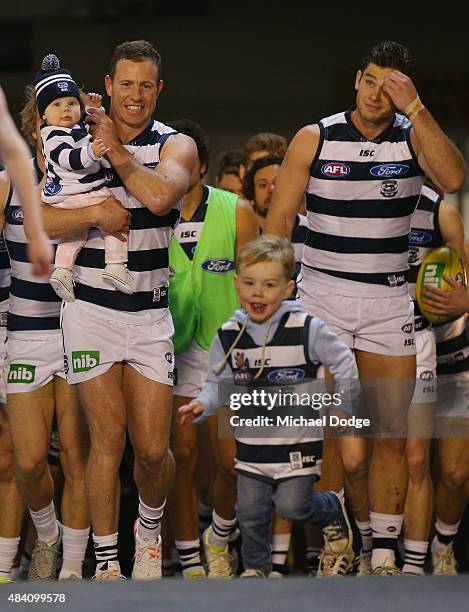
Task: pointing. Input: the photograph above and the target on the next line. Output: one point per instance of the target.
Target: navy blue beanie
(53, 82)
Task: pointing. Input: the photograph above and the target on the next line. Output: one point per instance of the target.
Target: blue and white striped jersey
(34, 305)
(148, 242)
(359, 199)
(71, 165)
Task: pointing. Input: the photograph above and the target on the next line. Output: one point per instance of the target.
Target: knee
(152, 457)
(73, 461)
(419, 466)
(185, 457)
(355, 467)
(6, 466)
(386, 446)
(291, 509)
(455, 476)
(30, 469)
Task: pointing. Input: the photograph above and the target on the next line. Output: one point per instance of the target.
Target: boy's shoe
(444, 562)
(252, 573)
(389, 568)
(364, 563)
(148, 557)
(43, 564)
(111, 572)
(220, 562)
(119, 277)
(62, 283)
(337, 555)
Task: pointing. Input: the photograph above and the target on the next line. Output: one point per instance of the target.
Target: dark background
(243, 67)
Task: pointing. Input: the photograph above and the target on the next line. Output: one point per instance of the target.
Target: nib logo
(82, 361)
(21, 373)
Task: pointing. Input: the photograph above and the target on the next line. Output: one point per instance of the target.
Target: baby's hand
(93, 99)
(99, 148)
(189, 412)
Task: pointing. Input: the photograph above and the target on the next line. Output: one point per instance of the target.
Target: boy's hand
(99, 148)
(93, 99)
(190, 412)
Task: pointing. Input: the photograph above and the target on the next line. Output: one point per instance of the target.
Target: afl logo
(407, 329)
(218, 266)
(51, 188)
(417, 237)
(335, 169)
(427, 375)
(286, 375)
(388, 170)
(17, 215)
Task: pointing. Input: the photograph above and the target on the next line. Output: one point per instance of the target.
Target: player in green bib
(214, 225)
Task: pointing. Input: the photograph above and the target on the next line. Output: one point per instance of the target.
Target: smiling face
(261, 288)
(133, 90)
(373, 104)
(63, 112)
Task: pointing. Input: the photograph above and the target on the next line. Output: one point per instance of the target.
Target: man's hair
(274, 144)
(193, 129)
(248, 187)
(230, 162)
(390, 54)
(268, 248)
(28, 114)
(135, 51)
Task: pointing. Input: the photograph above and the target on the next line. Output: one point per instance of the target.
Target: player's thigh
(149, 410)
(30, 419)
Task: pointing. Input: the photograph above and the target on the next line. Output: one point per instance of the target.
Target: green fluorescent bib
(201, 292)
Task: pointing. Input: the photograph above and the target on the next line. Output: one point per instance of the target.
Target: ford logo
(286, 375)
(218, 266)
(389, 170)
(417, 237)
(335, 169)
(17, 215)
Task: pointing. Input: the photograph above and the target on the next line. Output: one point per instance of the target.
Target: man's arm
(4, 191)
(16, 156)
(159, 189)
(455, 302)
(246, 224)
(436, 154)
(109, 216)
(291, 182)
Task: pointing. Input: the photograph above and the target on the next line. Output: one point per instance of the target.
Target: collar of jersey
(356, 132)
(141, 138)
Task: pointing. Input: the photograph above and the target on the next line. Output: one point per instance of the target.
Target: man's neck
(191, 201)
(260, 220)
(368, 129)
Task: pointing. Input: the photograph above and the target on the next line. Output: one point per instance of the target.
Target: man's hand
(40, 254)
(113, 218)
(104, 128)
(400, 89)
(190, 412)
(447, 303)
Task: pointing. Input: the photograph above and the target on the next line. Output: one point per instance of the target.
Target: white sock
(149, 520)
(105, 548)
(8, 550)
(221, 529)
(444, 534)
(386, 529)
(46, 524)
(415, 556)
(189, 555)
(364, 527)
(75, 542)
(280, 546)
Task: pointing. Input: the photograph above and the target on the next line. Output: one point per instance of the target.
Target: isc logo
(21, 373)
(189, 234)
(259, 363)
(82, 361)
(432, 274)
(335, 169)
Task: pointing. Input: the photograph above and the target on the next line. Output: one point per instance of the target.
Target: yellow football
(443, 260)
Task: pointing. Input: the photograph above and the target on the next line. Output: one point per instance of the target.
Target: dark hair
(193, 129)
(258, 164)
(390, 54)
(230, 162)
(135, 51)
(274, 144)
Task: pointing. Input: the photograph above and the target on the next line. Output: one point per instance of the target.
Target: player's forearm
(444, 160)
(61, 223)
(152, 188)
(279, 224)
